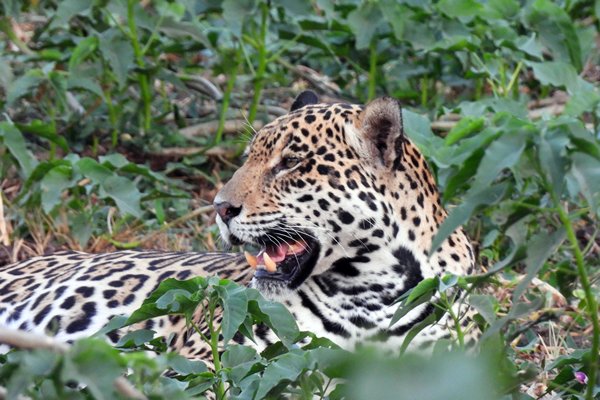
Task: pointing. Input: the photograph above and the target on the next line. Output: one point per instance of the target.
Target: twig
(201, 85)
(175, 222)
(4, 239)
(207, 129)
(27, 340)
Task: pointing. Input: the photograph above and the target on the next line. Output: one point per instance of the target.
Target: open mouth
(284, 259)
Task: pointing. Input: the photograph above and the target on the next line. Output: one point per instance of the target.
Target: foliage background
(121, 119)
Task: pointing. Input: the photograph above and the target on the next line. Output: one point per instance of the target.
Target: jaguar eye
(287, 163)
(290, 162)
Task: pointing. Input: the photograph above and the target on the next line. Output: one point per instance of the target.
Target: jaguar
(343, 209)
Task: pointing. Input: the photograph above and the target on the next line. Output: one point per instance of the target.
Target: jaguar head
(315, 191)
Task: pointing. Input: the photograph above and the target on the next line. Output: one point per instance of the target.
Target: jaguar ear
(303, 99)
(383, 131)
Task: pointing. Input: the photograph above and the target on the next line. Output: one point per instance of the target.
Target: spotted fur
(342, 177)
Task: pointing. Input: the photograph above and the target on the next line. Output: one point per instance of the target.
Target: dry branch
(210, 127)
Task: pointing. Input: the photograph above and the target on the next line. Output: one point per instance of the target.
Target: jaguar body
(342, 208)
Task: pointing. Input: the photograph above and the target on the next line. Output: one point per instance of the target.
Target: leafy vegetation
(120, 118)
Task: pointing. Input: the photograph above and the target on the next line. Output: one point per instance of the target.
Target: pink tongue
(277, 253)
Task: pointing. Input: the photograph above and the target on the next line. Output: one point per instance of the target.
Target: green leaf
(24, 85)
(275, 316)
(539, 248)
(465, 10)
(83, 49)
(95, 172)
(117, 50)
(136, 338)
(117, 160)
(184, 366)
(67, 9)
(45, 130)
(556, 31)
(236, 11)
(484, 304)
(125, 194)
(551, 149)
(14, 141)
(586, 171)
(286, 368)
(78, 82)
(95, 364)
(556, 73)
(53, 184)
(235, 305)
(363, 22)
(397, 15)
(465, 127)
(459, 215)
(150, 309)
(503, 153)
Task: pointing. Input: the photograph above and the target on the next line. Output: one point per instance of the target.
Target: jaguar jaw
(288, 261)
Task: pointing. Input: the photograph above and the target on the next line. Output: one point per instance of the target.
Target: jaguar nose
(227, 211)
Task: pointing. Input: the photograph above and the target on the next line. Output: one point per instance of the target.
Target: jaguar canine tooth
(251, 259)
(270, 265)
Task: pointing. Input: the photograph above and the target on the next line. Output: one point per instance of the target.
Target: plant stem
(214, 346)
(227, 96)
(139, 59)
(372, 70)
(424, 89)
(112, 117)
(259, 78)
(592, 306)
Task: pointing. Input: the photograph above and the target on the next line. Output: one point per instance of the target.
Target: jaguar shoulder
(343, 207)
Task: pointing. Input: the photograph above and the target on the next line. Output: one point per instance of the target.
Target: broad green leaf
(465, 10)
(14, 141)
(136, 338)
(24, 85)
(67, 9)
(397, 15)
(460, 214)
(78, 82)
(117, 160)
(235, 306)
(465, 127)
(45, 130)
(556, 73)
(83, 49)
(52, 186)
(117, 50)
(556, 31)
(95, 364)
(182, 29)
(125, 194)
(236, 11)
(406, 307)
(418, 129)
(552, 148)
(275, 316)
(364, 21)
(184, 366)
(149, 308)
(503, 153)
(504, 8)
(484, 304)
(90, 168)
(586, 170)
(530, 45)
(286, 368)
(539, 248)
